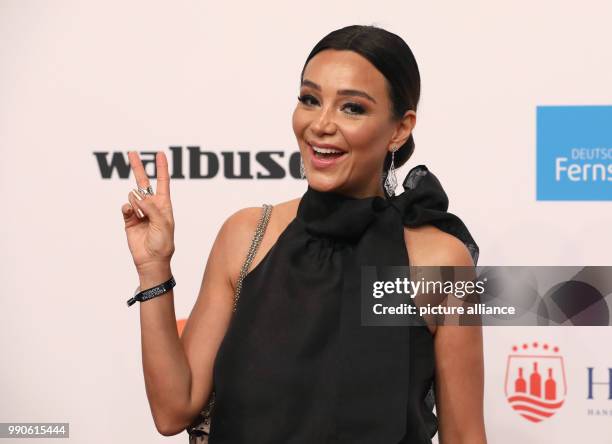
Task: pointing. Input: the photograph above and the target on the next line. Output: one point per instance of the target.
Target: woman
(295, 365)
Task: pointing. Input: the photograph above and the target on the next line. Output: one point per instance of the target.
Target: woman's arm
(178, 371)
(459, 384)
(459, 368)
(459, 365)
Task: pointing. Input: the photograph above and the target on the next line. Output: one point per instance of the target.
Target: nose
(323, 122)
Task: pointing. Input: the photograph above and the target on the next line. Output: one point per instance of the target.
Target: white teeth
(325, 150)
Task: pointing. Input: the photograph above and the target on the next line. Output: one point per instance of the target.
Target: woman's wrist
(153, 274)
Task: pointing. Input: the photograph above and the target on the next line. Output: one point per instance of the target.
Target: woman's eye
(355, 108)
(307, 99)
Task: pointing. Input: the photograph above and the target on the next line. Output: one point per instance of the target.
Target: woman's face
(345, 107)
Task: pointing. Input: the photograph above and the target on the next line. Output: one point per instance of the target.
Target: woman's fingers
(145, 207)
(129, 215)
(142, 180)
(134, 198)
(163, 177)
(127, 211)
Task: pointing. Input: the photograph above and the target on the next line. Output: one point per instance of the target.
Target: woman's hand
(150, 237)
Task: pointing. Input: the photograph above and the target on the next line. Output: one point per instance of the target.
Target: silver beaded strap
(199, 430)
(259, 232)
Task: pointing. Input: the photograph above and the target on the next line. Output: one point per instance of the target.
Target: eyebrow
(341, 92)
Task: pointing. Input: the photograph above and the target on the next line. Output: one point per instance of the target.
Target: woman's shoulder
(243, 221)
(237, 232)
(429, 245)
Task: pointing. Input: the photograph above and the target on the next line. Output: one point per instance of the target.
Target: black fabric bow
(424, 201)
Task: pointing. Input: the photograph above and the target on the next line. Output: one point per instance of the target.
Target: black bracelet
(150, 293)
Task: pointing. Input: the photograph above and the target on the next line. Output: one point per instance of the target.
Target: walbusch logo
(198, 164)
(535, 384)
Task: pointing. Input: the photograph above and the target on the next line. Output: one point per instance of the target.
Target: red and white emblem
(535, 383)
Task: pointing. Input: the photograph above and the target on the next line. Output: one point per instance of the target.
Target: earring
(302, 169)
(391, 179)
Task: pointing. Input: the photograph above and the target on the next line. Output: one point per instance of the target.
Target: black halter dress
(296, 366)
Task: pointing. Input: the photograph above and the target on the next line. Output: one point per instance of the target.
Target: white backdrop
(78, 77)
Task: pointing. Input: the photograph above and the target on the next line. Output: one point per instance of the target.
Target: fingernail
(136, 195)
(139, 213)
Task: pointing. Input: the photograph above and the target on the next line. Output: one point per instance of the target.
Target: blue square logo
(574, 152)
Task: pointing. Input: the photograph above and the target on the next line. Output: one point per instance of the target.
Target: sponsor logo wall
(515, 120)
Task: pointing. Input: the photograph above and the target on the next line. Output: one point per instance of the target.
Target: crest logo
(535, 384)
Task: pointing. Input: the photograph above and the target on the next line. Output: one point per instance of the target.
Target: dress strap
(259, 232)
(199, 429)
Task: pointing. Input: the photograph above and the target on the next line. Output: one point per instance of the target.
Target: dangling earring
(391, 179)
(302, 169)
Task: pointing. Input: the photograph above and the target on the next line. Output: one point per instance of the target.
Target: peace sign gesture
(149, 223)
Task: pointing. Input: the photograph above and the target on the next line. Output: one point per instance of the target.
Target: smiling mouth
(326, 153)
